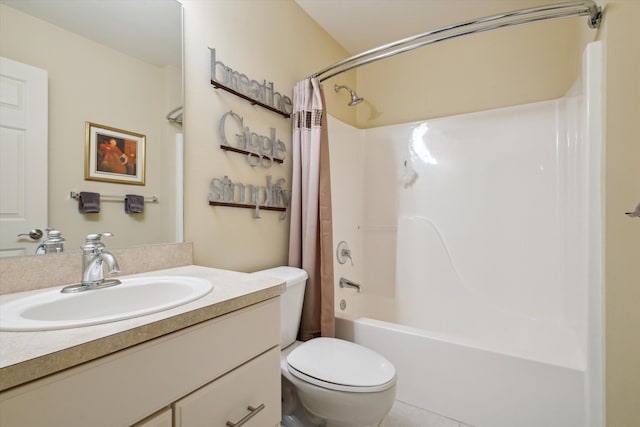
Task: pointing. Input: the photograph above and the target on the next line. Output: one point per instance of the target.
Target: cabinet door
(249, 393)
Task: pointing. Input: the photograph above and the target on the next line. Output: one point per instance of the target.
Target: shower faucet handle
(343, 252)
(347, 253)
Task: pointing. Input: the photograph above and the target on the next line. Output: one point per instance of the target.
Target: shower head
(355, 99)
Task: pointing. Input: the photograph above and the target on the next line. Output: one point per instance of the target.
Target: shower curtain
(310, 238)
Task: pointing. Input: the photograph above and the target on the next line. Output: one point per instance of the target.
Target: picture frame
(114, 155)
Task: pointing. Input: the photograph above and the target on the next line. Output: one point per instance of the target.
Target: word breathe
(274, 196)
(263, 93)
(261, 150)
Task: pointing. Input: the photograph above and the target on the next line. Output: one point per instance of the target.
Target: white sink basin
(135, 297)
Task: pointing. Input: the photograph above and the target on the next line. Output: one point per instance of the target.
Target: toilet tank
(290, 300)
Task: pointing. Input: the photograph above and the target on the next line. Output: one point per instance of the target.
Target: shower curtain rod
(489, 23)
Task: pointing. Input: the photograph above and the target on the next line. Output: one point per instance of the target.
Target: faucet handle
(92, 241)
(91, 238)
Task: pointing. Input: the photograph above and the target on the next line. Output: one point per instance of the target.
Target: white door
(23, 155)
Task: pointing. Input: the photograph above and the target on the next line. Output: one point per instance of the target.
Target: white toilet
(337, 383)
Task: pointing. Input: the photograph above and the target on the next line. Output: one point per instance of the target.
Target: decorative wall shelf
(217, 85)
(243, 205)
(250, 153)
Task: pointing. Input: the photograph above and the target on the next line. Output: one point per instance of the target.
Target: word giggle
(261, 150)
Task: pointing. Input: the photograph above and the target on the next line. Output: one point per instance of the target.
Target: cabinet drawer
(256, 383)
(163, 418)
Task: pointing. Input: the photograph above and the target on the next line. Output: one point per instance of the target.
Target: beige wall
(511, 66)
(621, 34)
(271, 40)
(91, 82)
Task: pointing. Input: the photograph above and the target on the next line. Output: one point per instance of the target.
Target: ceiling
(131, 26)
(359, 25)
(147, 29)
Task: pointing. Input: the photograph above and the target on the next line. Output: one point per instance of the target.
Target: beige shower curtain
(311, 237)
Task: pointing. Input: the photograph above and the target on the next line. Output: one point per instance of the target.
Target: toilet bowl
(327, 381)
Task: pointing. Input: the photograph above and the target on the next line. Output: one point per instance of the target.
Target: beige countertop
(27, 356)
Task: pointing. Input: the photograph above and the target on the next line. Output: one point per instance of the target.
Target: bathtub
(486, 359)
(469, 383)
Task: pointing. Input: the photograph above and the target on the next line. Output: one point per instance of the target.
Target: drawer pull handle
(252, 412)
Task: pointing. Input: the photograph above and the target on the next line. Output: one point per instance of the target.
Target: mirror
(117, 64)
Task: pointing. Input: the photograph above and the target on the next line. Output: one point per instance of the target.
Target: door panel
(23, 155)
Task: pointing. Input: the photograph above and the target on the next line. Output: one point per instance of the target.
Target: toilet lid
(341, 365)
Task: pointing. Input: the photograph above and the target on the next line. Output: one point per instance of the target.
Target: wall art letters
(260, 150)
(275, 197)
(263, 94)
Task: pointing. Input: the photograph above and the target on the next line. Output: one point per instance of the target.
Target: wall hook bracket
(635, 213)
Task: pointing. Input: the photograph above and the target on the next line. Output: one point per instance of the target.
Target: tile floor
(405, 415)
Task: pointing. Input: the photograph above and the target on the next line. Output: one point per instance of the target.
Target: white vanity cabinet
(210, 371)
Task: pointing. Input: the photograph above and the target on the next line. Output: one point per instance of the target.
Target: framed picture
(114, 155)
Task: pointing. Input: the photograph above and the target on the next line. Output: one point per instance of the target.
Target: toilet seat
(341, 365)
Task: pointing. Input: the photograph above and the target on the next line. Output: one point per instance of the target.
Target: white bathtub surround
(483, 269)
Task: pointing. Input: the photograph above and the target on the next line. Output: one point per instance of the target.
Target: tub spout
(346, 283)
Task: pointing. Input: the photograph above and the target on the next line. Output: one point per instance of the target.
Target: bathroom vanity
(213, 361)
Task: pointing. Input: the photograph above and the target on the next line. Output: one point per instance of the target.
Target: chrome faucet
(54, 244)
(94, 258)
